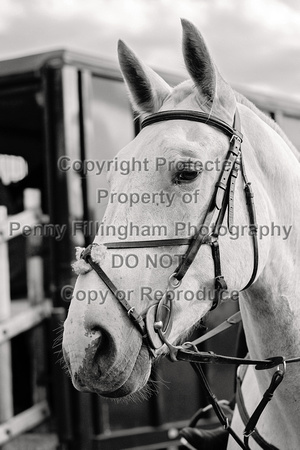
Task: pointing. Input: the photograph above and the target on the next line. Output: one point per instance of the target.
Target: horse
(197, 141)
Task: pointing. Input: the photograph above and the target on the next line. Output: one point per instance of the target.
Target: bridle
(156, 322)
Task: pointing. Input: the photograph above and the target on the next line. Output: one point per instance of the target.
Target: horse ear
(198, 60)
(147, 89)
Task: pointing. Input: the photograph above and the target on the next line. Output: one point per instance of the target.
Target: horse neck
(271, 307)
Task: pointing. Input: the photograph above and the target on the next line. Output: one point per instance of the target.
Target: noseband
(156, 324)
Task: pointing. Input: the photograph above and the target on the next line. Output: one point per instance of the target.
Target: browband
(194, 116)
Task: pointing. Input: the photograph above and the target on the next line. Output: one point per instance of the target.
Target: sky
(255, 43)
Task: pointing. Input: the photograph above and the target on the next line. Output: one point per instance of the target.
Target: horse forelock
(186, 92)
(188, 96)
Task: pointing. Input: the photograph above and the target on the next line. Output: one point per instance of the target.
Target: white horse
(170, 189)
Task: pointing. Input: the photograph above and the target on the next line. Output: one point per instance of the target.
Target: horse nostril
(102, 351)
(104, 344)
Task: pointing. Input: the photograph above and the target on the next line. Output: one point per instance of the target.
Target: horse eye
(186, 176)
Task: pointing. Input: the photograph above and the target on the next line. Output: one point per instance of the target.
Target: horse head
(165, 197)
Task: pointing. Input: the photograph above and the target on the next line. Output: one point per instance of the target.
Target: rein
(156, 323)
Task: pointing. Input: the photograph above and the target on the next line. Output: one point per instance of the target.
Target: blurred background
(254, 42)
(62, 96)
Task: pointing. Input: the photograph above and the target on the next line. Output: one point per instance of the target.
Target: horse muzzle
(108, 358)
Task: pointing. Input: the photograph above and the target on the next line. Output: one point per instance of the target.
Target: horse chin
(133, 386)
(130, 390)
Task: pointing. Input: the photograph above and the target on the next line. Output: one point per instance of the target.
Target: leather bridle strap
(219, 200)
(149, 243)
(194, 116)
(231, 321)
(246, 418)
(250, 427)
(211, 398)
(253, 224)
(194, 356)
(135, 318)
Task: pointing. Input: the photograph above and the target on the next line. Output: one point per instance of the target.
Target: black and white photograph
(149, 225)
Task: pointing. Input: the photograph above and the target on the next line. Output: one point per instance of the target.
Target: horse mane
(183, 89)
(268, 120)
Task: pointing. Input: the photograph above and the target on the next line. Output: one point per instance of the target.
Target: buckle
(238, 136)
(210, 239)
(173, 281)
(87, 251)
(220, 283)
